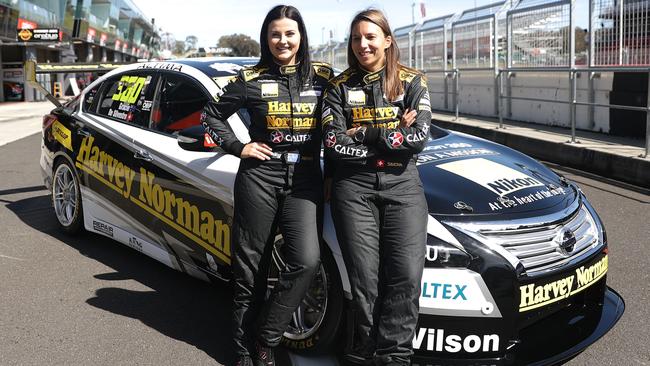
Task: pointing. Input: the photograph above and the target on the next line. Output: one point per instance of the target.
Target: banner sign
(39, 35)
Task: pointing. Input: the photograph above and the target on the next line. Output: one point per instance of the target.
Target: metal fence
(620, 32)
(540, 33)
(525, 36)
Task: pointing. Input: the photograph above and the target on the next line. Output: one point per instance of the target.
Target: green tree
(179, 48)
(241, 45)
(191, 42)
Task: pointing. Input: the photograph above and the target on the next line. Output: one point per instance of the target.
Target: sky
(211, 19)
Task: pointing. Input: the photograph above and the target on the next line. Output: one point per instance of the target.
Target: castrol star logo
(330, 139)
(276, 137)
(395, 139)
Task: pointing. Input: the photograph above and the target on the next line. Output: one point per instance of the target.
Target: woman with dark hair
(279, 183)
(376, 117)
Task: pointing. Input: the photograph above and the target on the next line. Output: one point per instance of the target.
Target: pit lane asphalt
(87, 300)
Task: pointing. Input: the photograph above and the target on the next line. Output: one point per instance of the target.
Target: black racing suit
(378, 206)
(275, 193)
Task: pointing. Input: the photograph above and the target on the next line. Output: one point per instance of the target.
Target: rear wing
(32, 68)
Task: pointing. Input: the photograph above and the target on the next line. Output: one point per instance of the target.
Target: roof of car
(218, 66)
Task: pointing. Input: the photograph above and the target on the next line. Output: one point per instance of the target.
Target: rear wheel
(66, 197)
(318, 319)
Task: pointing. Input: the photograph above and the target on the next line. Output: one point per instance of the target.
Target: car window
(178, 104)
(89, 98)
(128, 98)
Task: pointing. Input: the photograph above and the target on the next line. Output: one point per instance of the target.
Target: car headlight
(441, 254)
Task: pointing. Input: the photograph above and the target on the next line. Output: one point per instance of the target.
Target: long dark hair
(392, 85)
(266, 59)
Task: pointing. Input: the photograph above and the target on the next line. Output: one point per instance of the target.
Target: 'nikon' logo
(295, 108)
(368, 114)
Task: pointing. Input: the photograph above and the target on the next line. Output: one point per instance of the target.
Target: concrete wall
(477, 97)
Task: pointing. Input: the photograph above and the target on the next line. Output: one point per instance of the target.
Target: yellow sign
(62, 135)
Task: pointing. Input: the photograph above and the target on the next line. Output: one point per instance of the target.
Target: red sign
(26, 24)
(90, 37)
(102, 39)
(117, 44)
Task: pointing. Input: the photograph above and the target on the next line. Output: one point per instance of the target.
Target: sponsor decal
(226, 67)
(351, 151)
(146, 106)
(454, 292)
(310, 93)
(395, 139)
(537, 295)
(380, 163)
(436, 340)
(269, 90)
(360, 114)
(430, 157)
(209, 142)
(130, 88)
(371, 77)
(135, 243)
(356, 97)
(330, 139)
(62, 134)
(416, 137)
(515, 200)
(406, 75)
(277, 137)
(160, 65)
(496, 177)
(298, 123)
(298, 138)
(103, 228)
(170, 207)
(275, 108)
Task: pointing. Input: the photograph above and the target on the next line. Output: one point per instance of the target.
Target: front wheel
(317, 321)
(66, 197)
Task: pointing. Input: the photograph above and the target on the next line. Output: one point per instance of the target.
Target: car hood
(466, 175)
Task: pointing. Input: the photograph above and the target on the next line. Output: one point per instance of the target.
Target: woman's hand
(257, 150)
(352, 131)
(408, 118)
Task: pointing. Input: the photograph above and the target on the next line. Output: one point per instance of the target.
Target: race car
(516, 257)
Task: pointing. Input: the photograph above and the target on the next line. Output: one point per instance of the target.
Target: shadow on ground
(178, 306)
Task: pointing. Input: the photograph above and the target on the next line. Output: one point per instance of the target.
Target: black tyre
(318, 321)
(66, 197)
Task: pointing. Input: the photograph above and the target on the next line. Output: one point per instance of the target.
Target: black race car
(516, 257)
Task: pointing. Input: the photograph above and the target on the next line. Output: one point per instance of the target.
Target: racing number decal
(129, 88)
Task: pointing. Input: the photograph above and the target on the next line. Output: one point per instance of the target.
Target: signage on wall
(26, 24)
(90, 37)
(38, 35)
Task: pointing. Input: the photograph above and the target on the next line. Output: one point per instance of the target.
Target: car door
(112, 112)
(187, 194)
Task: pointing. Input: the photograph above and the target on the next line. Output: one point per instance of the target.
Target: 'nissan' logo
(567, 241)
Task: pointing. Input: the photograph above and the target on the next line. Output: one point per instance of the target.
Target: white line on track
(8, 257)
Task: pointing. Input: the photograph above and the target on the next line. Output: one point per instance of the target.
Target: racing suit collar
(285, 69)
(370, 77)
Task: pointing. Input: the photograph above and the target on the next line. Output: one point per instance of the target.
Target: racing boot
(244, 361)
(263, 355)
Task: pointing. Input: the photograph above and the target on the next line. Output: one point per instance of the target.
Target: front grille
(539, 247)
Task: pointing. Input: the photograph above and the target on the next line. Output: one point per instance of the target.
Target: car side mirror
(196, 139)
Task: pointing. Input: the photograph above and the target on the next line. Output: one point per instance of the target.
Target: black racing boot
(263, 355)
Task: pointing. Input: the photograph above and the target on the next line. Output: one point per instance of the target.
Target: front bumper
(558, 338)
